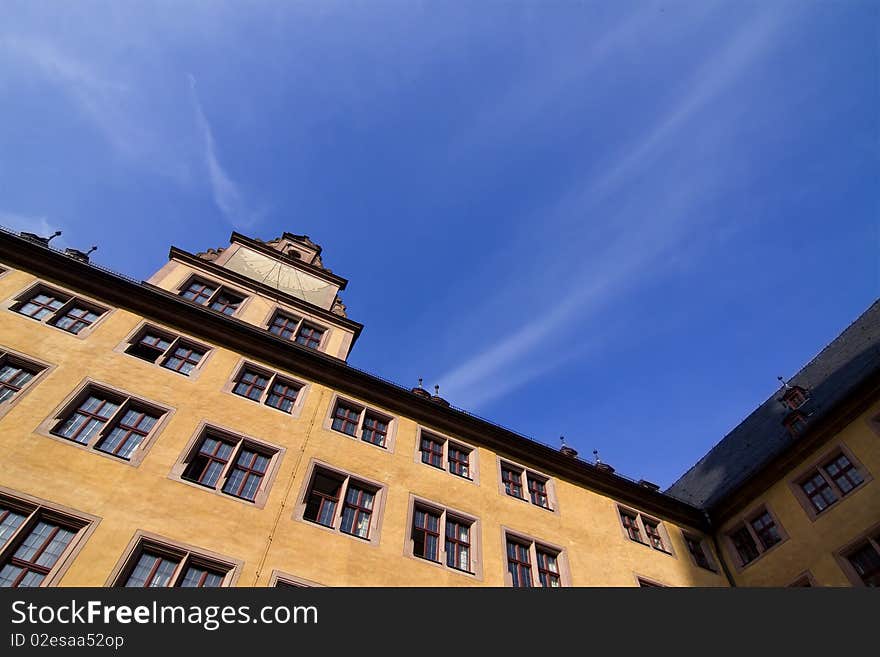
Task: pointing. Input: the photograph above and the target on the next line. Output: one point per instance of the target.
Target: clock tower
(280, 285)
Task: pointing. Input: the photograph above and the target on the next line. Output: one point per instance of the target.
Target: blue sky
(617, 222)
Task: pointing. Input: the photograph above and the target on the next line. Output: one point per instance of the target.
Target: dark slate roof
(830, 377)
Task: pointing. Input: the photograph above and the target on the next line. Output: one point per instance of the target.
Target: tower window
(296, 329)
(213, 295)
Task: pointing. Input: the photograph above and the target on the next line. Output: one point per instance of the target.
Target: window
(526, 557)
(35, 540)
(796, 423)
(865, 560)
(60, 309)
(516, 480)
(444, 454)
(156, 562)
(426, 534)
(653, 534)
(834, 476)
(267, 387)
(548, 569)
(213, 295)
(296, 330)
(442, 536)
(519, 564)
(745, 545)
(794, 397)
(360, 422)
(108, 421)
(166, 349)
(631, 524)
(804, 581)
(341, 502)
(645, 530)
(512, 480)
(230, 464)
(16, 374)
(753, 535)
(538, 491)
(699, 552)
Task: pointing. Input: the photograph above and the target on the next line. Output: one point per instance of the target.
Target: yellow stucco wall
(128, 498)
(811, 544)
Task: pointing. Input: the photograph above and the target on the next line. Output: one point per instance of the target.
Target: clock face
(280, 276)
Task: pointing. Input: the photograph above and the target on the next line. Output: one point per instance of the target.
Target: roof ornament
(420, 391)
(76, 254)
(33, 237)
(600, 465)
(565, 449)
(784, 382)
(437, 398)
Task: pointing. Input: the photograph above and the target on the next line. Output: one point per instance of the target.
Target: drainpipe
(718, 552)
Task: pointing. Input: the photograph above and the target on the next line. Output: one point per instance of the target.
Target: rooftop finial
(420, 391)
(596, 454)
(784, 382)
(437, 398)
(565, 449)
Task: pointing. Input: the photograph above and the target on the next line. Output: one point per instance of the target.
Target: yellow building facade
(203, 428)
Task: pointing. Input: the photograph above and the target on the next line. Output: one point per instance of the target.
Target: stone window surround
(804, 576)
(241, 440)
(816, 465)
(187, 554)
(33, 506)
(549, 482)
(473, 464)
(376, 516)
(272, 374)
(476, 536)
(35, 287)
(197, 276)
(745, 519)
(280, 577)
(72, 401)
(534, 544)
(648, 581)
(872, 535)
(16, 357)
(640, 521)
(146, 325)
(390, 436)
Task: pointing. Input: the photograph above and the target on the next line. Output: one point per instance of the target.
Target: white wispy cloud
(118, 110)
(226, 193)
(633, 239)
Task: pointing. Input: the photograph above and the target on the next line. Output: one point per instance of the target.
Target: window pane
(200, 577)
(9, 522)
